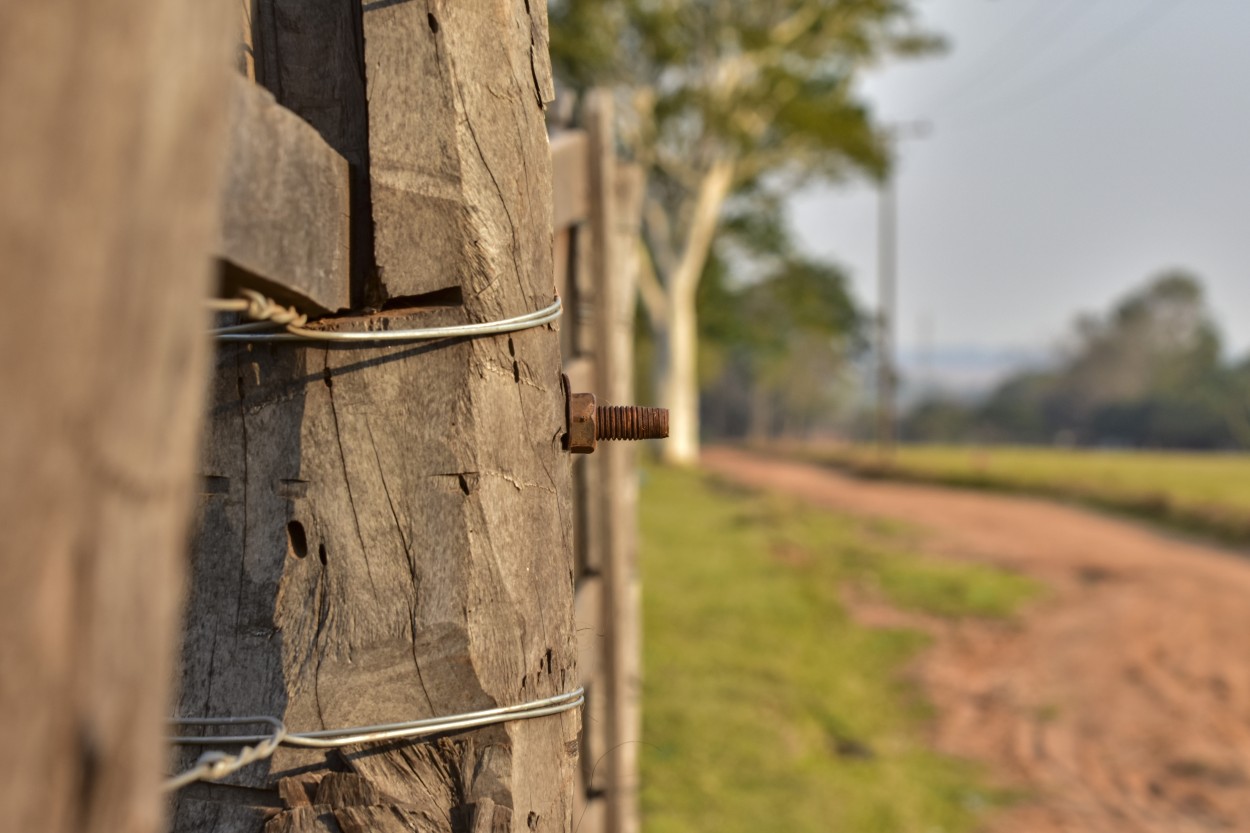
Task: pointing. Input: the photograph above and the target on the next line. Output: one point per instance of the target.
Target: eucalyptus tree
(718, 97)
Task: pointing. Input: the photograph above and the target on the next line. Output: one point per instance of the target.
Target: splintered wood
(385, 532)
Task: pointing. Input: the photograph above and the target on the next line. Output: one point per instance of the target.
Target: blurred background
(983, 197)
(948, 302)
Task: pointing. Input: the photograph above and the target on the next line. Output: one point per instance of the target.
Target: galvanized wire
(215, 765)
(263, 310)
(267, 314)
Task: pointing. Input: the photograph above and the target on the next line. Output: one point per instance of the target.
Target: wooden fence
(384, 531)
(353, 494)
(597, 206)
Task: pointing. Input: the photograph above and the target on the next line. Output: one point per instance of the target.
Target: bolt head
(582, 427)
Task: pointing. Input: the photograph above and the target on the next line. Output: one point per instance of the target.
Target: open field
(1115, 702)
(767, 705)
(1207, 493)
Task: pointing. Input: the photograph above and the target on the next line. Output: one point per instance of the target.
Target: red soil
(1118, 702)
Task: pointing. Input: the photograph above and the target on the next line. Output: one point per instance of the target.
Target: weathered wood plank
(614, 212)
(570, 178)
(388, 536)
(111, 138)
(286, 206)
(310, 55)
(621, 464)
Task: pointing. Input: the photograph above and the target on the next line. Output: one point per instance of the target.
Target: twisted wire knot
(264, 308)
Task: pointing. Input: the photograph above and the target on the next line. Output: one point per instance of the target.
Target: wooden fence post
(615, 209)
(598, 210)
(111, 138)
(626, 609)
(386, 531)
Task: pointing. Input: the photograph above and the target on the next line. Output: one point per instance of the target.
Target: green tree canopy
(718, 98)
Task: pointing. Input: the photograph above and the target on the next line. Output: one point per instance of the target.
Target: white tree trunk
(681, 382)
(678, 340)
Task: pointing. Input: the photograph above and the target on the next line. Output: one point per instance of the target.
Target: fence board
(286, 199)
(308, 54)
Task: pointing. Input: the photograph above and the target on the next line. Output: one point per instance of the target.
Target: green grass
(1207, 493)
(765, 706)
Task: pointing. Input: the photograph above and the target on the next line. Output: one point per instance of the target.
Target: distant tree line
(1150, 374)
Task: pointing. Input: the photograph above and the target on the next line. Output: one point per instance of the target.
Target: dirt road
(1120, 701)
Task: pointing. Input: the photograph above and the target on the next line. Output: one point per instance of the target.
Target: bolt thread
(631, 422)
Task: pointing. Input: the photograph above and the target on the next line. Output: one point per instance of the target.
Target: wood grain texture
(385, 532)
(111, 140)
(452, 92)
(430, 574)
(286, 206)
(310, 55)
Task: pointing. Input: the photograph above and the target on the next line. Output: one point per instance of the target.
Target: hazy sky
(1077, 148)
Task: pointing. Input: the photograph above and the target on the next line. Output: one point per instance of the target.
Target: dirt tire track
(1120, 701)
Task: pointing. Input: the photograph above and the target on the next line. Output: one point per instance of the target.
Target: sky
(1075, 149)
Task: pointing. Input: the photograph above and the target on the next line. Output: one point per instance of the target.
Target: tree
(723, 98)
(1233, 402)
(1157, 344)
(773, 350)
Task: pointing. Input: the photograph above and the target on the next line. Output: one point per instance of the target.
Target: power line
(1043, 31)
(1104, 49)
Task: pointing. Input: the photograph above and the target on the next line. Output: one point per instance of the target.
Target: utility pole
(887, 238)
(887, 285)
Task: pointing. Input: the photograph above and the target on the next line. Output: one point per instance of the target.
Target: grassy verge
(765, 706)
(1204, 493)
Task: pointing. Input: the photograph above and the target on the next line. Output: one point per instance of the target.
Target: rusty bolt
(631, 422)
(588, 422)
(583, 428)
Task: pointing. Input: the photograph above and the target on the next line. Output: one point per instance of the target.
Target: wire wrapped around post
(268, 314)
